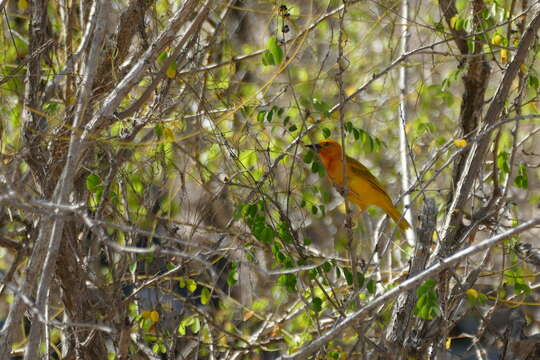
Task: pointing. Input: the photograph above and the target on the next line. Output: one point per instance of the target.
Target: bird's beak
(314, 147)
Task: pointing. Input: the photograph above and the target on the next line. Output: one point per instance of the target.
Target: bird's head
(327, 149)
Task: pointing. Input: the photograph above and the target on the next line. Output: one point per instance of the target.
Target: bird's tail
(397, 217)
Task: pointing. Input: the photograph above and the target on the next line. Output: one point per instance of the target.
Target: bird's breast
(335, 171)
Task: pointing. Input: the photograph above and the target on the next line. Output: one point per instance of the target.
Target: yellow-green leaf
(205, 296)
(460, 143)
(23, 4)
(171, 70)
(191, 285)
(497, 39)
(168, 134)
(504, 56)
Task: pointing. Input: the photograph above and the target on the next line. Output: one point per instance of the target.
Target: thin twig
(306, 351)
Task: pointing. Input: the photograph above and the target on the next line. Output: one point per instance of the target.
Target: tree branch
(65, 183)
(477, 153)
(399, 326)
(306, 351)
(448, 8)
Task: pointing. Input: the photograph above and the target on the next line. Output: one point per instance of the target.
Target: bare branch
(400, 325)
(478, 150)
(306, 351)
(65, 183)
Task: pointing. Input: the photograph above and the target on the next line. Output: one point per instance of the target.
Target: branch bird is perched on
(364, 188)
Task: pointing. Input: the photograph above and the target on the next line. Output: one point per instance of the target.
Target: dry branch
(433, 270)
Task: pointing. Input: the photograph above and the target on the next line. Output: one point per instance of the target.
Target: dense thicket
(158, 200)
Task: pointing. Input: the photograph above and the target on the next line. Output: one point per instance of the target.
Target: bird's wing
(360, 170)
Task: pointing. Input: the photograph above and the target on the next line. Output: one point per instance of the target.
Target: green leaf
(439, 26)
(422, 300)
(502, 162)
(427, 305)
(191, 285)
(280, 257)
(286, 120)
(522, 289)
(275, 50)
(315, 166)
(205, 296)
(267, 58)
(371, 286)
(356, 133)
(348, 276)
(171, 70)
(188, 321)
(447, 97)
(361, 279)
(158, 130)
(326, 133)
(284, 233)
(93, 183)
(460, 24)
(326, 197)
(288, 281)
(461, 5)
(522, 180)
(232, 276)
(240, 211)
(308, 157)
(533, 82)
(269, 115)
(50, 107)
(267, 234)
(370, 144)
(327, 267)
(163, 56)
(515, 277)
(316, 304)
(196, 325)
(321, 106)
(426, 127)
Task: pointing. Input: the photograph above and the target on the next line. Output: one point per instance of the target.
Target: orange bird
(364, 188)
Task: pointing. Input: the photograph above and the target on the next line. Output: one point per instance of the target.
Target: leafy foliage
(427, 306)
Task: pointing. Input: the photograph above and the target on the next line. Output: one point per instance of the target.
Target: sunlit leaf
(205, 296)
(93, 183)
(276, 51)
(460, 143)
(504, 56)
